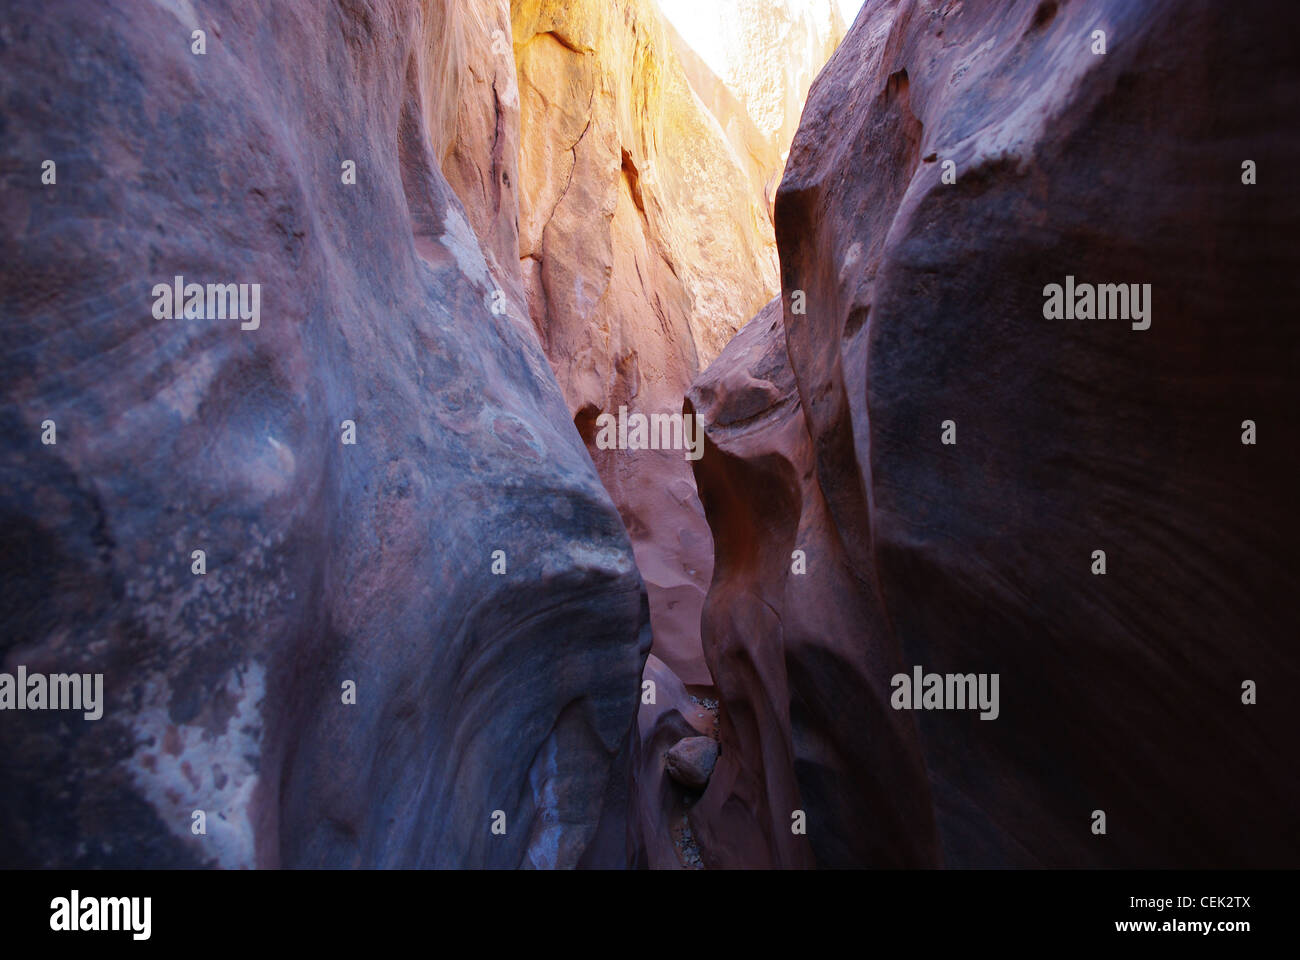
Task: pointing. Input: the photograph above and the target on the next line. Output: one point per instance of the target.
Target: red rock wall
(805, 725)
(470, 93)
(643, 251)
(925, 303)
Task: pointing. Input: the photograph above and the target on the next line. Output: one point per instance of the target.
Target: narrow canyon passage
(665, 434)
(645, 187)
(791, 566)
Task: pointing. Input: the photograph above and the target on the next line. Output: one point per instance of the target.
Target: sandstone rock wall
(795, 655)
(924, 304)
(471, 96)
(752, 63)
(643, 250)
(759, 155)
(325, 562)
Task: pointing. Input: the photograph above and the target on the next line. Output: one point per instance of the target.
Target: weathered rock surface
(759, 155)
(643, 250)
(691, 760)
(752, 62)
(925, 301)
(471, 97)
(324, 563)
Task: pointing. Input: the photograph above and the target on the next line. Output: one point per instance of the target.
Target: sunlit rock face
(752, 62)
(478, 691)
(643, 249)
(924, 304)
(471, 102)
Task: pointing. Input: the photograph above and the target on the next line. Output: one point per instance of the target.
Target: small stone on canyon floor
(691, 760)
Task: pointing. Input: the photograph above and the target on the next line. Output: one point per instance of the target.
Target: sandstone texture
(364, 589)
(325, 563)
(758, 481)
(925, 303)
(471, 101)
(752, 63)
(643, 250)
(691, 761)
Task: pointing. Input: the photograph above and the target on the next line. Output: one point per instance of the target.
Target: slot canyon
(386, 580)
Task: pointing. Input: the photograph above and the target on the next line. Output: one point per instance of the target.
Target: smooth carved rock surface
(925, 303)
(643, 250)
(766, 637)
(325, 562)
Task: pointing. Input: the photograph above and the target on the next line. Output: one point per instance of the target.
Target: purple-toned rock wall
(349, 459)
